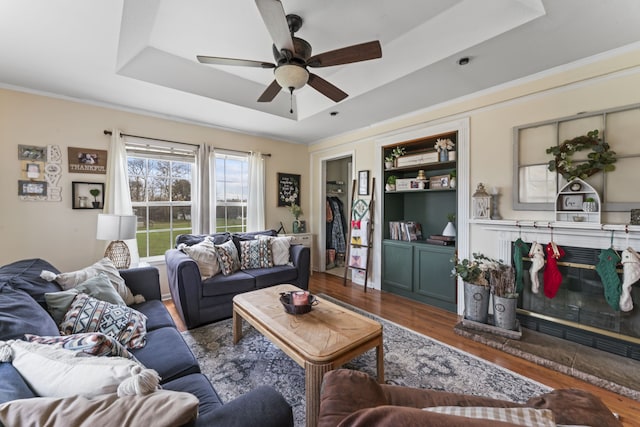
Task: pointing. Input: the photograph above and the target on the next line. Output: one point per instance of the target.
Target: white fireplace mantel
(584, 235)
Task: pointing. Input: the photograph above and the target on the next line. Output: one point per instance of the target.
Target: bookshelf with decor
(416, 258)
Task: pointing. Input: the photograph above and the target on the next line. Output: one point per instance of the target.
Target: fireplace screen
(580, 299)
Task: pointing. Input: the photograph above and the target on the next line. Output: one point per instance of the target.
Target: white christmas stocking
(631, 270)
(537, 262)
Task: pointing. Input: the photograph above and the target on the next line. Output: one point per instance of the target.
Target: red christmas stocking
(552, 276)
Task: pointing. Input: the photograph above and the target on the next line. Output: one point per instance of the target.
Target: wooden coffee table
(319, 341)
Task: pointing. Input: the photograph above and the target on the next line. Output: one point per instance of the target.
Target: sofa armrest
(144, 281)
(263, 407)
(185, 285)
(301, 259)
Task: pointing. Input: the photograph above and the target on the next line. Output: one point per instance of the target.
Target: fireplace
(579, 312)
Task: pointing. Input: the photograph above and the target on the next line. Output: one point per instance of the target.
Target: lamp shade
(116, 227)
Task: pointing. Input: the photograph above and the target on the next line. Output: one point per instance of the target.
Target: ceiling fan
(293, 55)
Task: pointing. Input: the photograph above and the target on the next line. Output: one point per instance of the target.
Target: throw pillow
(98, 287)
(528, 417)
(92, 343)
(280, 247)
(164, 408)
(256, 254)
(57, 372)
(228, 257)
(74, 278)
(87, 314)
(205, 255)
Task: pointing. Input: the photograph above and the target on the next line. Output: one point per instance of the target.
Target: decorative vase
(390, 187)
(476, 302)
(299, 226)
(504, 312)
(444, 155)
(449, 230)
(589, 206)
(388, 165)
(453, 182)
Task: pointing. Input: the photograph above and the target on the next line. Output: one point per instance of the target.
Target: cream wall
(66, 237)
(609, 81)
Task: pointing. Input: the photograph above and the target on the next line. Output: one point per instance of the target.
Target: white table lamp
(117, 228)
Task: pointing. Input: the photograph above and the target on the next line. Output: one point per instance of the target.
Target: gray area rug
(410, 359)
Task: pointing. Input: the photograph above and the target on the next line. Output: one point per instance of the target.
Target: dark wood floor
(439, 324)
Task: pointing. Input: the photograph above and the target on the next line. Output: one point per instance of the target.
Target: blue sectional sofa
(204, 301)
(23, 311)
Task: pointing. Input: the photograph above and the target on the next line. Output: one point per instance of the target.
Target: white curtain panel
(255, 201)
(117, 198)
(204, 187)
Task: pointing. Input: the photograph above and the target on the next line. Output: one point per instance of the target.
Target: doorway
(338, 174)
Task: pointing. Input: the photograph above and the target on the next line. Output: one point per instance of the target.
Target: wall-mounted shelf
(572, 203)
(335, 188)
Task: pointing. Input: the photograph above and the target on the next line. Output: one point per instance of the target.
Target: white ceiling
(141, 54)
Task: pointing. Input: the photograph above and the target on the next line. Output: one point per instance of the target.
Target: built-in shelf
(426, 190)
(424, 166)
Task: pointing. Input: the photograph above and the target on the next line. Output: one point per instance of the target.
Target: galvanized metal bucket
(476, 302)
(504, 312)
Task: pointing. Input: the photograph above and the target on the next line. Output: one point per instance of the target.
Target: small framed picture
(87, 160)
(32, 188)
(571, 202)
(288, 189)
(32, 153)
(363, 183)
(32, 170)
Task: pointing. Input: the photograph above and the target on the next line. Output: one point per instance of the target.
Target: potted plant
(450, 229)
(390, 159)
(453, 180)
(299, 226)
(589, 205)
(473, 273)
(95, 193)
(391, 183)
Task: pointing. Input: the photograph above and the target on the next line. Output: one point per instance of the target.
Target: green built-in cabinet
(417, 269)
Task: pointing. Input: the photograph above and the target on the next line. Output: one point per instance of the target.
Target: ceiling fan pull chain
(291, 99)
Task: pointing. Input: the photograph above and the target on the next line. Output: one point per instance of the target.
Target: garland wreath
(600, 159)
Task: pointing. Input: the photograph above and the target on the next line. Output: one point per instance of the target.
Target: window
(160, 182)
(537, 187)
(232, 189)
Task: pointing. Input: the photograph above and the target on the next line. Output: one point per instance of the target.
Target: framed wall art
(87, 160)
(32, 188)
(571, 202)
(32, 153)
(288, 189)
(363, 183)
(87, 195)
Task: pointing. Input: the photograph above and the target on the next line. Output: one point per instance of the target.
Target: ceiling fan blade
(272, 90)
(232, 61)
(275, 20)
(347, 55)
(326, 88)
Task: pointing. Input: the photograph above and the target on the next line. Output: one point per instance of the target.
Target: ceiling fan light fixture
(291, 76)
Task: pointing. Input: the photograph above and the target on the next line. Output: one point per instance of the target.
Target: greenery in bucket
(485, 271)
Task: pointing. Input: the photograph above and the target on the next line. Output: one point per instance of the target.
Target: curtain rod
(108, 132)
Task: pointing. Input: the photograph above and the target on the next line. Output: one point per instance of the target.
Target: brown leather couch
(353, 399)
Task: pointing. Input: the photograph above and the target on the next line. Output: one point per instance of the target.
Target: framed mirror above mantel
(537, 187)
